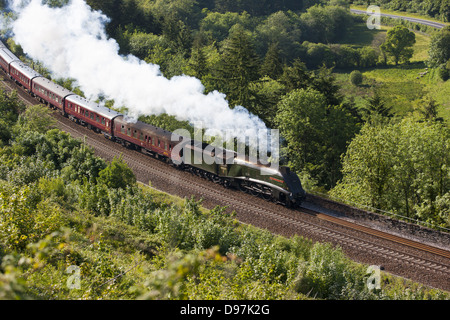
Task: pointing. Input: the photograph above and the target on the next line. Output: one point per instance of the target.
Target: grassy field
(402, 85)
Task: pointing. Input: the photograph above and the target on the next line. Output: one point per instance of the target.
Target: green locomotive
(231, 169)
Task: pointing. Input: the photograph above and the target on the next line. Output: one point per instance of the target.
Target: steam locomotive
(229, 168)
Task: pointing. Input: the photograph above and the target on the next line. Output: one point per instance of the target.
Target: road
(437, 25)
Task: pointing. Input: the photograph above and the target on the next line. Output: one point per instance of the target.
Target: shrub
(443, 73)
(356, 77)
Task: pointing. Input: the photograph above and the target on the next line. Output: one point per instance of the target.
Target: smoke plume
(72, 43)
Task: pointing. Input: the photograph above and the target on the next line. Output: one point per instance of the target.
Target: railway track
(400, 256)
(384, 235)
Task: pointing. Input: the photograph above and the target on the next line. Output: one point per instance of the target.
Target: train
(230, 169)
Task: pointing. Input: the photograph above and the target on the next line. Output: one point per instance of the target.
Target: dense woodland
(282, 61)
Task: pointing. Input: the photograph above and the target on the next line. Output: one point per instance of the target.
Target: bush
(443, 73)
(356, 77)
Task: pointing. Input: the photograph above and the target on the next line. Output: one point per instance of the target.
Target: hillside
(75, 227)
(362, 119)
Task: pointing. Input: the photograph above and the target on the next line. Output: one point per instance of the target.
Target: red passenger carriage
(90, 114)
(50, 93)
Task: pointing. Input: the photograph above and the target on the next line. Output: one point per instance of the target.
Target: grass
(402, 85)
(360, 36)
(405, 88)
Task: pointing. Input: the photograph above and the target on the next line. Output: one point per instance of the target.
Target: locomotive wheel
(266, 196)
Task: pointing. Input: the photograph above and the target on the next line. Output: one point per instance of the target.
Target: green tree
(356, 77)
(367, 168)
(439, 52)
(37, 118)
(429, 109)
(401, 167)
(117, 174)
(267, 92)
(368, 57)
(272, 65)
(282, 28)
(316, 133)
(218, 25)
(346, 56)
(239, 67)
(443, 72)
(198, 63)
(10, 108)
(376, 107)
(325, 24)
(324, 81)
(177, 32)
(318, 54)
(295, 76)
(398, 44)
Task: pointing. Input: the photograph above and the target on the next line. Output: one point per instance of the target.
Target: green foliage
(239, 67)
(117, 175)
(37, 118)
(22, 220)
(398, 44)
(10, 107)
(309, 126)
(400, 167)
(325, 24)
(272, 65)
(443, 73)
(217, 25)
(284, 30)
(377, 108)
(438, 9)
(326, 275)
(439, 52)
(356, 77)
(167, 122)
(128, 243)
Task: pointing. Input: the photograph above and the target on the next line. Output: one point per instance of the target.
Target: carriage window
(103, 121)
(129, 131)
(165, 146)
(122, 129)
(141, 137)
(135, 134)
(92, 116)
(159, 143)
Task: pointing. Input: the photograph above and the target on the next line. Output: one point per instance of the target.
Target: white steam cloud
(71, 42)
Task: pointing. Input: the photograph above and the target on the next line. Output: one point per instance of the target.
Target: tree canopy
(398, 44)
